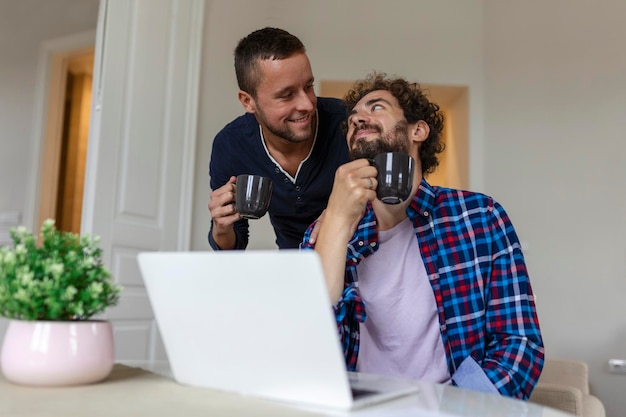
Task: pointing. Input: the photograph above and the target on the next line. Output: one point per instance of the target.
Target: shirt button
(354, 260)
(361, 243)
(299, 199)
(425, 214)
(373, 244)
(276, 170)
(297, 188)
(286, 179)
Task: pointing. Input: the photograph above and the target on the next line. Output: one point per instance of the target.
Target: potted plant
(50, 293)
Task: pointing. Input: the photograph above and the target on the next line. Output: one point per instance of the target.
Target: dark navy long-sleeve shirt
(238, 149)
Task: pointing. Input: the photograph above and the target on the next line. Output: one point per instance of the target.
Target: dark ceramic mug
(395, 176)
(253, 196)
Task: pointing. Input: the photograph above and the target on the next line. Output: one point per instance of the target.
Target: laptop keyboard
(358, 393)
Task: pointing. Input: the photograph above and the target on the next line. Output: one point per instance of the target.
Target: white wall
(430, 42)
(24, 25)
(555, 117)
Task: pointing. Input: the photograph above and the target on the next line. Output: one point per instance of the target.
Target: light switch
(617, 366)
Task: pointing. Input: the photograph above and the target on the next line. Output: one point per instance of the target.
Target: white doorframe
(48, 120)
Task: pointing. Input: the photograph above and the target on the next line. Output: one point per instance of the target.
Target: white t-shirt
(401, 334)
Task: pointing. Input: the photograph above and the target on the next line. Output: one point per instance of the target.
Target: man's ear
(247, 101)
(419, 131)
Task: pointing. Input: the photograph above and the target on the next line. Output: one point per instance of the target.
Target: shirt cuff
(470, 375)
(216, 247)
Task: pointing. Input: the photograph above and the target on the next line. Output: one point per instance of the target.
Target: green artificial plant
(63, 278)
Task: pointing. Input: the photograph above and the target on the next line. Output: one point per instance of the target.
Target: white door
(139, 179)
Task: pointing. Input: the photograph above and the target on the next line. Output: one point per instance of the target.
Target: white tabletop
(431, 400)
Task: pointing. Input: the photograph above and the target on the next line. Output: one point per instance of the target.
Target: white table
(149, 391)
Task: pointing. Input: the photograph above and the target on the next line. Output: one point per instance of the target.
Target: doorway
(68, 112)
(75, 135)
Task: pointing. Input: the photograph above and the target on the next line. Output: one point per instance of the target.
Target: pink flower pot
(57, 353)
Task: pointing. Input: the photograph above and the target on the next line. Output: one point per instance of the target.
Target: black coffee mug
(253, 195)
(395, 176)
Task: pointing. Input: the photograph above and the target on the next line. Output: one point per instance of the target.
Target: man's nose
(358, 119)
(306, 102)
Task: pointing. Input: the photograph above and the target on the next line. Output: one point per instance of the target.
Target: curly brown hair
(415, 106)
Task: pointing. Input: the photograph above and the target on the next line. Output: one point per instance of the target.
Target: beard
(395, 141)
(287, 134)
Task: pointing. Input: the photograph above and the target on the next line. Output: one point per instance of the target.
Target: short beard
(395, 141)
(285, 133)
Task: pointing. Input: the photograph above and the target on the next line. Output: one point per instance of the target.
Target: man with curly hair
(463, 311)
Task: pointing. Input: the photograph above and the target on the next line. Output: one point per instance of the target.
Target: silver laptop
(258, 323)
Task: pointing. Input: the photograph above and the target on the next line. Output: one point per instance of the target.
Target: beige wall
(555, 118)
(546, 122)
(438, 43)
(24, 25)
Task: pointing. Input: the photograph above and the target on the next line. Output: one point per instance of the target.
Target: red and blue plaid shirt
(475, 265)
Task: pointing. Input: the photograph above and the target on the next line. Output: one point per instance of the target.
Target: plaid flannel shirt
(479, 279)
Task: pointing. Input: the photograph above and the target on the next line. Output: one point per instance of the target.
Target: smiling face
(284, 102)
(377, 124)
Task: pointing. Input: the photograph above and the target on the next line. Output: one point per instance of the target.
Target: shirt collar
(423, 202)
(267, 151)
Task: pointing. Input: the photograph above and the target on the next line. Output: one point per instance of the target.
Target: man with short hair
(288, 134)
